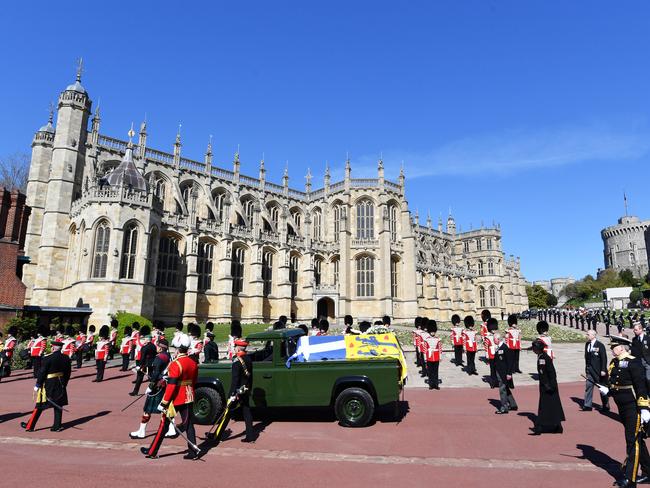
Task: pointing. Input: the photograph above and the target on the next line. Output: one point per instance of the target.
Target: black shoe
(625, 483)
(24, 426)
(57, 429)
(558, 430)
(192, 455)
(145, 451)
(519, 371)
(514, 409)
(606, 409)
(96, 381)
(133, 393)
(133, 382)
(248, 439)
(586, 409)
(501, 411)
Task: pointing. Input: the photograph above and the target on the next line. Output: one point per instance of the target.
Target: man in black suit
(641, 348)
(595, 370)
(503, 366)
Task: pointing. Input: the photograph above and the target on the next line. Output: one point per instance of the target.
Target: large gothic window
(293, 275)
(318, 265)
(249, 206)
(365, 276)
(489, 244)
(219, 199)
(297, 218)
(129, 252)
(317, 224)
(493, 297)
(392, 222)
(189, 197)
(100, 255)
(237, 270)
(274, 212)
(479, 246)
(365, 220)
(337, 222)
(466, 246)
(159, 189)
(394, 278)
(267, 272)
(204, 264)
(481, 296)
(480, 268)
(490, 268)
(168, 263)
(335, 272)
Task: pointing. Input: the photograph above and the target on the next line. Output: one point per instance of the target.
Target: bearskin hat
(492, 324)
(104, 331)
(145, 330)
(468, 321)
(180, 326)
(209, 326)
(418, 322)
(115, 323)
(128, 331)
(432, 326)
(13, 330)
(194, 330)
(455, 319)
(91, 329)
(69, 331)
(542, 327)
(60, 328)
(485, 315)
(512, 319)
(235, 328)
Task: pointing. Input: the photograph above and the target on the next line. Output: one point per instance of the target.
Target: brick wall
(14, 215)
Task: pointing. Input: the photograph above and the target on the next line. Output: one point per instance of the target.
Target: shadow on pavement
(87, 418)
(11, 416)
(600, 459)
(115, 378)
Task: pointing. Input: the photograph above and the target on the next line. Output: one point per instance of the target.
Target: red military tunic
(457, 336)
(469, 340)
(80, 340)
(113, 337)
(434, 349)
(182, 374)
(196, 346)
(38, 347)
(101, 351)
(488, 344)
(484, 329)
(68, 348)
(125, 346)
(10, 345)
(548, 347)
(513, 338)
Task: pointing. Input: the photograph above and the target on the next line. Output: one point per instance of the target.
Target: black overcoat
(549, 411)
(54, 375)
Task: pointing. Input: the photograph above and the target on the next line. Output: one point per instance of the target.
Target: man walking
(641, 348)
(595, 370)
(503, 367)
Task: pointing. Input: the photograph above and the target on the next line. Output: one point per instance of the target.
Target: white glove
(232, 399)
(604, 390)
(645, 416)
(36, 388)
(148, 390)
(161, 407)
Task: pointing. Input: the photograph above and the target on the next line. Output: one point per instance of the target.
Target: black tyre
(208, 405)
(354, 407)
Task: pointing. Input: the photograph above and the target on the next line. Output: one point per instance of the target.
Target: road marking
(321, 456)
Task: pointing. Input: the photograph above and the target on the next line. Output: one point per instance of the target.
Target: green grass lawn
(221, 331)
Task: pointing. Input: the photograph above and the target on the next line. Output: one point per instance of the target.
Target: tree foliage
(538, 297)
(635, 296)
(14, 171)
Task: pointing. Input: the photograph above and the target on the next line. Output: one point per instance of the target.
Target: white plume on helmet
(184, 341)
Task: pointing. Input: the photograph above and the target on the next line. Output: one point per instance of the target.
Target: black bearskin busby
(145, 330)
(104, 331)
(542, 327)
(468, 321)
(432, 326)
(194, 330)
(235, 328)
(492, 324)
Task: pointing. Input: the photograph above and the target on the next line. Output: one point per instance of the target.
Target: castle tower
(63, 186)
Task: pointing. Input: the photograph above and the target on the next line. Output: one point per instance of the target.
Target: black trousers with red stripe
(186, 425)
(637, 452)
(31, 423)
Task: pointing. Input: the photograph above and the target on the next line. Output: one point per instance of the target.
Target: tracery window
(205, 257)
(100, 255)
(365, 220)
(293, 275)
(129, 252)
(237, 270)
(267, 272)
(168, 263)
(365, 276)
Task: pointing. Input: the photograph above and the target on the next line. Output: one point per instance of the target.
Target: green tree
(635, 296)
(627, 278)
(536, 296)
(551, 300)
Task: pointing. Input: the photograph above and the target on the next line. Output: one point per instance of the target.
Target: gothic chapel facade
(118, 225)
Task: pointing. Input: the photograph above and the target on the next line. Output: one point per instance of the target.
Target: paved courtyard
(449, 437)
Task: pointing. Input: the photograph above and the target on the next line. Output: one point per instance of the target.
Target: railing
(364, 182)
(111, 143)
(297, 194)
(209, 225)
(159, 156)
(392, 186)
(193, 165)
(296, 241)
(108, 194)
(175, 220)
(317, 194)
(337, 186)
(240, 231)
(272, 187)
(223, 174)
(325, 289)
(365, 243)
(269, 236)
(247, 180)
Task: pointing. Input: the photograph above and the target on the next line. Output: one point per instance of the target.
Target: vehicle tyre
(354, 407)
(208, 405)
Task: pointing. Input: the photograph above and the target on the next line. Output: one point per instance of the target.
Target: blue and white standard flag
(317, 348)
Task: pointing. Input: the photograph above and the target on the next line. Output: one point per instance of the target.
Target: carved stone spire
(308, 181)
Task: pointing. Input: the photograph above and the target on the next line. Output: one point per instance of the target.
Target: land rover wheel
(207, 406)
(354, 407)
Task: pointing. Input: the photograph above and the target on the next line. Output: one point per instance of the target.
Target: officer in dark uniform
(627, 386)
(608, 322)
(147, 355)
(550, 413)
(504, 367)
(241, 385)
(51, 384)
(210, 349)
(571, 319)
(640, 348)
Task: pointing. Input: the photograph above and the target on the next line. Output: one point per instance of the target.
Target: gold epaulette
(643, 402)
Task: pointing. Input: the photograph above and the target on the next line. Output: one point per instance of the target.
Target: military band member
(470, 344)
(235, 333)
(101, 352)
(595, 370)
(627, 385)
(147, 355)
(51, 384)
(490, 348)
(155, 391)
(433, 355)
(513, 341)
(79, 347)
(113, 338)
(178, 398)
(90, 342)
(37, 350)
(241, 385)
(125, 348)
(416, 340)
(550, 413)
(457, 339)
(178, 333)
(210, 349)
(503, 368)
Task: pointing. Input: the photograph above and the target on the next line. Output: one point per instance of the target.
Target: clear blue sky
(533, 114)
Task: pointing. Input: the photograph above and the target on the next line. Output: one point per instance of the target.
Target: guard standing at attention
(125, 348)
(513, 341)
(457, 339)
(241, 385)
(101, 352)
(178, 398)
(469, 342)
(51, 384)
(434, 354)
(627, 385)
(37, 350)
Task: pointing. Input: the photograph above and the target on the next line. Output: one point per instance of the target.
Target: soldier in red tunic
(101, 352)
(178, 399)
(457, 339)
(8, 352)
(469, 341)
(513, 341)
(37, 350)
(125, 348)
(434, 353)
